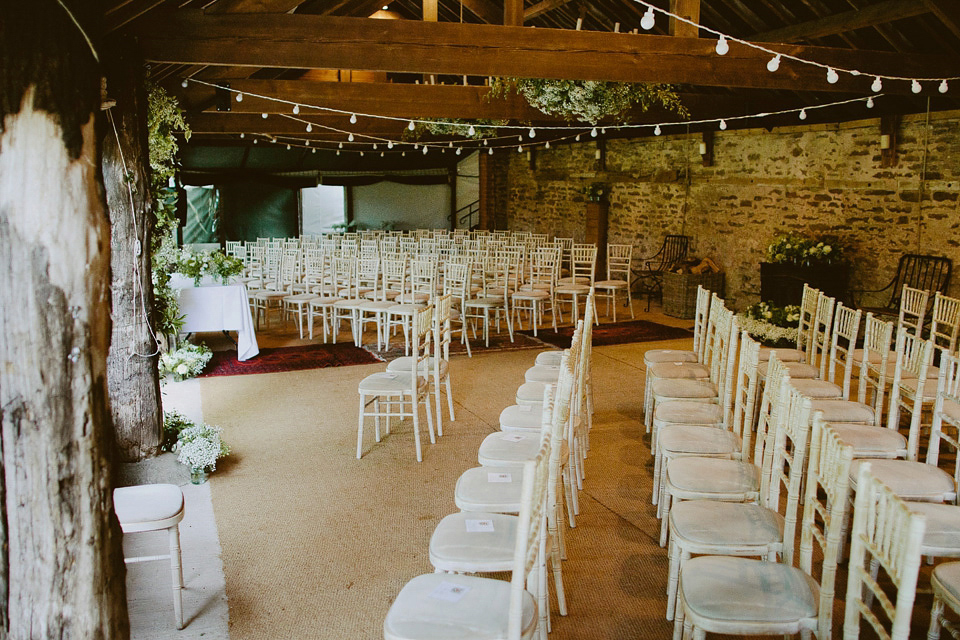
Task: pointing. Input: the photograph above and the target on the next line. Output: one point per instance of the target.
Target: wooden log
(132, 376)
(61, 561)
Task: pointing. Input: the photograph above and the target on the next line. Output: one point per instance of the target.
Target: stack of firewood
(698, 266)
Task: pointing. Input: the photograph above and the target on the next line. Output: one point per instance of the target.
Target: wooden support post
(889, 125)
(601, 154)
(513, 13)
(689, 9)
(429, 10)
(706, 148)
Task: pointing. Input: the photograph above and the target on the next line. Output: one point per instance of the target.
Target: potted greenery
(793, 260)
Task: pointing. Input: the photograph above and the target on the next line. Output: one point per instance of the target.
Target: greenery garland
(589, 100)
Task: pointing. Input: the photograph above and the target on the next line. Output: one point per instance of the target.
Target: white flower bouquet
(770, 324)
(186, 362)
(804, 251)
(200, 446)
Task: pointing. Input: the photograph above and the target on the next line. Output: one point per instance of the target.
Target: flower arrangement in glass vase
(805, 251)
(197, 445)
(185, 362)
(214, 263)
(771, 325)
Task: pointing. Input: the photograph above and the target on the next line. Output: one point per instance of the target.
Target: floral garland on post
(589, 100)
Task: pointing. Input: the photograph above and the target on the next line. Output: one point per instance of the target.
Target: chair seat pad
(405, 309)
(668, 355)
(943, 525)
(722, 524)
(951, 410)
(577, 289)
(610, 284)
(480, 303)
(672, 388)
(696, 439)
(323, 302)
(844, 411)
(266, 294)
(552, 357)
(909, 480)
(480, 614)
(532, 294)
(530, 392)
(145, 503)
(376, 305)
(412, 298)
(522, 416)
(785, 355)
(797, 370)
(947, 576)
(679, 370)
(727, 588)
(868, 440)
(688, 412)
(508, 449)
(495, 489)
(929, 389)
(542, 373)
(349, 303)
(712, 476)
(820, 389)
(453, 548)
(393, 382)
(405, 363)
(300, 297)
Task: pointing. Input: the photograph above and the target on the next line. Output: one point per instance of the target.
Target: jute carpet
(316, 543)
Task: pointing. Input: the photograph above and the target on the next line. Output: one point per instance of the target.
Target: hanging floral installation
(475, 129)
(589, 100)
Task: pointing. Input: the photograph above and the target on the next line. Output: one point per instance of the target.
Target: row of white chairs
(726, 474)
(509, 520)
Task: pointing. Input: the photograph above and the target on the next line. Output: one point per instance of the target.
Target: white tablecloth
(220, 308)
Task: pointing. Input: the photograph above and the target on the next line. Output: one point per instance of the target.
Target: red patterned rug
(615, 333)
(498, 342)
(313, 356)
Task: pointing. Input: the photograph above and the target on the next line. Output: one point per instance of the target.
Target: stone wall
(823, 180)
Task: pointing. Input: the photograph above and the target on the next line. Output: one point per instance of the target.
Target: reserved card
(479, 526)
(449, 592)
(499, 477)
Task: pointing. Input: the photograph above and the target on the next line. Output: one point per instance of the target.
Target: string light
(425, 149)
(390, 144)
(532, 133)
(774, 63)
(471, 131)
(459, 150)
(411, 126)
(353, 118)
(288, 147)
(361, 154)
(381, 154)
(184, 84)
(309, 127)
(313, 151)
(943, 88)
(239, 96)
(546, 145)
(578, 137)
(877, 85)
(340, 146)
(350, 138)
(490, 151)
(656, 130)
(519, 149)
(242, 136)
(519, 138)
(870, 103)
(593, 132)
(803, 114)
(255, 141)
(723, 47)
(648, 19)
(296, 109)
(723, 125)
(307, 143)
(832, 76)
(915, 87)
(264, 115)
(374, 146)
(338, 151)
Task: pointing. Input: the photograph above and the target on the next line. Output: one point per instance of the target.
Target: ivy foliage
(589, 100)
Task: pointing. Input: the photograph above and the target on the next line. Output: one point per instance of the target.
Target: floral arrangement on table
(185, 362)
(589, 100)
(213, 263)
(771, 325)
(805, 251)
(596, 192)
(197, 445)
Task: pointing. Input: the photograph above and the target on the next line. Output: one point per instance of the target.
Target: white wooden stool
(153, 507)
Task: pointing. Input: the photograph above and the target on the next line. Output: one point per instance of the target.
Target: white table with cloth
(213, 307)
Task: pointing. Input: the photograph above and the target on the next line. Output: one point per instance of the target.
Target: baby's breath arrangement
(200, 446)
(185, 362)
(589, 100)
(770, 324)
(214, 263)
(805, 251)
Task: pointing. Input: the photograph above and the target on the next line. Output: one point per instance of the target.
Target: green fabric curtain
(254, 210)
(203, 204)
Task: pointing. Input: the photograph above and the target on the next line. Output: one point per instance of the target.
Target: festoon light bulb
(648, 19)
(723, 47)
(774, 63)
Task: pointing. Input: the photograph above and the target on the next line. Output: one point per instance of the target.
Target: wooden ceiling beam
(513, 13)
(948, 12)
(253, 6)
(126, 12)
(542, 7)
(871, 16)
(316, 42)
(689, 9)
